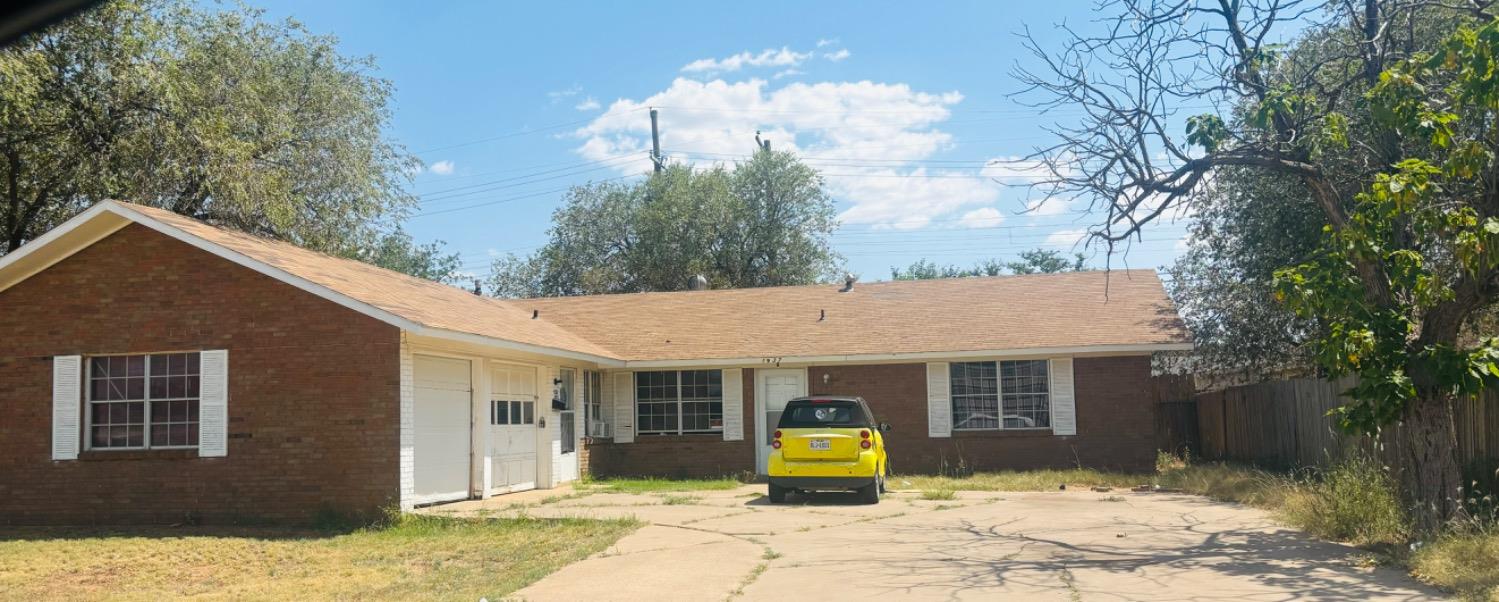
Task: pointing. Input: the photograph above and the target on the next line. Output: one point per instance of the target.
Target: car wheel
(880, 479)
(870, 494)
(777, 494)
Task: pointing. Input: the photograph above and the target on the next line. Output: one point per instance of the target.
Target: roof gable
(416, 305)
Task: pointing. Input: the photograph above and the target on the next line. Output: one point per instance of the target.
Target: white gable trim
(32, 258)
(80, 222)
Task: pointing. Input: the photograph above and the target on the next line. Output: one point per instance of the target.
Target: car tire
(880, 479)
(870, 494)
(777, 494)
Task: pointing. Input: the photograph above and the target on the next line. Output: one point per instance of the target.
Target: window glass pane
(530, 408)
(499, 412)
(1026, 397)
(975, 395)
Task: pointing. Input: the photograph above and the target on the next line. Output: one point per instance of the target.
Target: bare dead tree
(1172, 90)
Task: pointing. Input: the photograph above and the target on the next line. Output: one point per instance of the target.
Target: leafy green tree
(220, 115)
(397, 251)
(1034, 261)
(1046, 261)
(765, 222)
(1367, 113)
(1223, 284)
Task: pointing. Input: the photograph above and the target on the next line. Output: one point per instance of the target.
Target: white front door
(442, 421)
(773, 388)
(512, 427)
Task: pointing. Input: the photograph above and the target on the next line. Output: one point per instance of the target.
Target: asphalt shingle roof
(1083, 309)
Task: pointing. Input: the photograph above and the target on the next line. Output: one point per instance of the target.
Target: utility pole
(655, 142)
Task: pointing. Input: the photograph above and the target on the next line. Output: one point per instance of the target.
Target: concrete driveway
(1073, 545)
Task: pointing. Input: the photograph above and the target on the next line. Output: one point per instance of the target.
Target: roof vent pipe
(535, 313)
(697, 283)
(848, 282)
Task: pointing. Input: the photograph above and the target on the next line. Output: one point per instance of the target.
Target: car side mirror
(884, 427)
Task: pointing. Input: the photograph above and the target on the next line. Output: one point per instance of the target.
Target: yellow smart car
(828, 443)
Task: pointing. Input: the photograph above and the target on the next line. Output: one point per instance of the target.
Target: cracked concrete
(1071, 545)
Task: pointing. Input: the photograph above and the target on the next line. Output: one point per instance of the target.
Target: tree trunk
(1430, 477)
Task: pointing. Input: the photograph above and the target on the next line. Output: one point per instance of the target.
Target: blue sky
(900, 107)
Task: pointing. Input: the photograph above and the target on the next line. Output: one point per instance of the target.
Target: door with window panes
(512, 427)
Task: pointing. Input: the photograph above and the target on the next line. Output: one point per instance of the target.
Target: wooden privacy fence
(1284, 424)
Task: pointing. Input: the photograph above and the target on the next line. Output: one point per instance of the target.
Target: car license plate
(820, 444)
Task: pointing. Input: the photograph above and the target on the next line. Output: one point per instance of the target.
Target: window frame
(680, 402)
(1000, 394)
(88, 402)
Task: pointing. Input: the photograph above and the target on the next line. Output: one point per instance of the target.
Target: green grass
(416, 558)
(657, 485)
(938, 494)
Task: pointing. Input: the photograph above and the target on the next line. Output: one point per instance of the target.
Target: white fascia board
(31, 250)
(920, 356)
(465, 337)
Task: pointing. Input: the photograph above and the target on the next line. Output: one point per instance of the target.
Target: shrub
(1354, 501)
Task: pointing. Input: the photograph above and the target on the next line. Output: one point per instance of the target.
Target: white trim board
(864, 358)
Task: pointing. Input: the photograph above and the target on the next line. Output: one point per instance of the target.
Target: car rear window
(808, 414)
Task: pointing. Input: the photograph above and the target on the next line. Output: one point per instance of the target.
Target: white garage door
(512, 428)
(442, 429)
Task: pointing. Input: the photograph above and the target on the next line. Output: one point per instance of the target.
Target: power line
(509, 199)
(523, 132)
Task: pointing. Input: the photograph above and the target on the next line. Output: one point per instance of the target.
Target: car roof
(853, 398)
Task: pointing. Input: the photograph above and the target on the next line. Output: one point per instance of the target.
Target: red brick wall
(313, 391)
(1116, 399)
(1115, 413)
(680, 456)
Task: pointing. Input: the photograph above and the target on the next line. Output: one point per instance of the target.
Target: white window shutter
(733, 404)
(624, 407)
(67, 387)
(938, 400)
(213, 404)
(1063, 398)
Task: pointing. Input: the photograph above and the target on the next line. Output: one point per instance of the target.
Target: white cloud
(1066, 239)
(837, 55)
(787, 73)
(557, 96)
(826, 42)
(588, 104)
(864, 125)
(986, 217)
(770, 57)
(441, 168)
(1047, 206)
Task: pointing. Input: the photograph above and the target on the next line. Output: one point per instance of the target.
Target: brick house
(157, 368)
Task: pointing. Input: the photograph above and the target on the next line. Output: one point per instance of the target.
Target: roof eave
(857, 358)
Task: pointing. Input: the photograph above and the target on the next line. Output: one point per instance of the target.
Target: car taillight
(775, 444)
(863, 434)
(865, 444)
(778, 434)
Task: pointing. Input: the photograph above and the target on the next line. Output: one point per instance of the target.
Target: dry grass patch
(418, 558)
(1027, 480)
(1467, 563)
(655, 485)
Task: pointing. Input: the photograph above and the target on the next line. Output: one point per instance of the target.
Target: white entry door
(512, 428)
(773, 388)
(442, 419)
